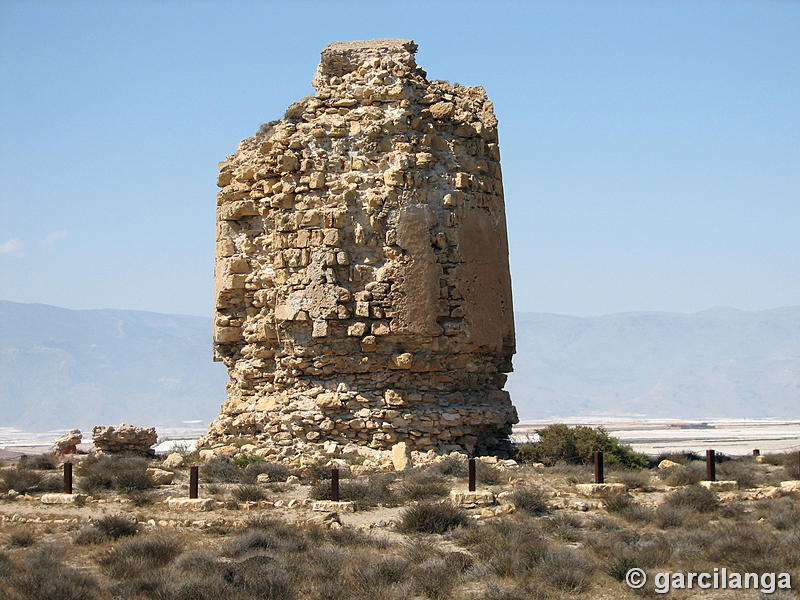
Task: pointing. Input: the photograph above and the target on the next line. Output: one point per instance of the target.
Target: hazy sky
(650, 150)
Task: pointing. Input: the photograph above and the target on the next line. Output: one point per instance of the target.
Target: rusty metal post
(471, 482)
(756, 452)
(194, 473)
(67, 477)
(598, 467)
(335, 484)
(711, 466)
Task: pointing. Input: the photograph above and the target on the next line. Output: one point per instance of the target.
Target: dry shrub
(116, 526)
(435, 579)
(531, 500)
(622, 550)
(220, 469)
(746, 473)
(89, 535)
(752, 548)
(496, 591)
(432, 518)
(565, 526)
(265, 534)
(667, 516)
(486, 474)
(261, 577)
(682, 475)
(100, 472)
(132, 557)
(20, 480)
(634, 480)
(44, 462)
(420, 485)
(248, 493)
(43, 575)
(572, 473)
(376, 490)
(784, 514)
(566, 569)
(276, 471)
(509, 547)
(696, 498)
(22, 537)
(450, 466)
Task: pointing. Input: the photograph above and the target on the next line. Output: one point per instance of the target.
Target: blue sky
(650, 150)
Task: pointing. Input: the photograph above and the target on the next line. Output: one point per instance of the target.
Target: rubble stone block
(160, 476)
(467, 498)
(191, 503)
(598, 489)
(67, 443)
(331, 506)
(124, 438)
(720, 486)
(63, 498)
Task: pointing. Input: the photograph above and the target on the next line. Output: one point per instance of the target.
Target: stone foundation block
(63, 498)
(331, 506)
(465, 498)
(720, 486)
(598, 489)
(160, 476)
(191, 503)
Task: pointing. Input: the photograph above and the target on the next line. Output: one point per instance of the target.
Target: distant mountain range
(716, 363)
(63, 368)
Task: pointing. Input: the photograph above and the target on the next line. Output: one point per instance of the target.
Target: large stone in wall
(362, 285)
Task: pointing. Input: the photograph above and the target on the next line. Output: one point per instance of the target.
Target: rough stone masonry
(363, 293)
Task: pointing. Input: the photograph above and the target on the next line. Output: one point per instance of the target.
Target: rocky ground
(530, 532)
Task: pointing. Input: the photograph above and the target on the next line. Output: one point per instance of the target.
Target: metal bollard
(598, 467)
(711, 466)
(756, 452)
(335, 485)
(471, 472)
(67, 477)
(193, 480)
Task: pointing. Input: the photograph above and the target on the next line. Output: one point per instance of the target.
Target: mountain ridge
(60, 366)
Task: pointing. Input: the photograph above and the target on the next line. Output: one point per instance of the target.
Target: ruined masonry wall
(362, 286)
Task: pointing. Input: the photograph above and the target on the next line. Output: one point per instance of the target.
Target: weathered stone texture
(68, 443)
(361, 281)
(124, 438)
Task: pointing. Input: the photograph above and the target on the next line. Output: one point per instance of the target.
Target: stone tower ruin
(362, 285)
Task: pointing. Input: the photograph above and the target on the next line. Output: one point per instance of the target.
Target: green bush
(243, 460)
(575, 445)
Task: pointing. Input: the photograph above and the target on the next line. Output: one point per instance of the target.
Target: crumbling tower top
(339, 59)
